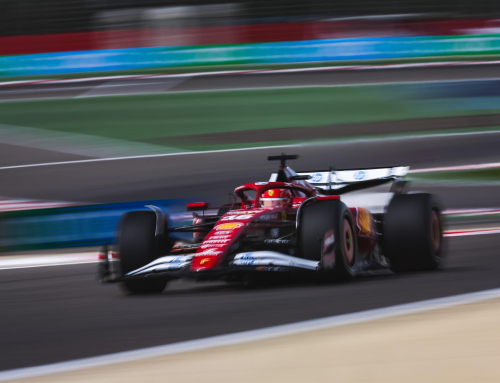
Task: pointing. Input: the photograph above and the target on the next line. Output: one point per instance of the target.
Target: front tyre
(137, 248)
(326, 234)
(413, 233)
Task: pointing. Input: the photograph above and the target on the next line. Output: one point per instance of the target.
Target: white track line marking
(261, 88)
(461, 167)
(339, 142)
(257, 88)
(34, 260)
(469, 232)
(146, 156)
(27, 261)
(49, 265)
(397, 137)
(258, 71)
(84, 87)
(252, 335)
(471, 212)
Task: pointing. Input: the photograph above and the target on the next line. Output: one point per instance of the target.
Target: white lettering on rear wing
(350, 176)
(337, 179)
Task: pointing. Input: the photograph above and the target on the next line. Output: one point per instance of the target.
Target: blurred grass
(146, 118)
(163, 115)
(375, 136)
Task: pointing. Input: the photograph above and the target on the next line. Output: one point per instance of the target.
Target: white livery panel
(336, 179)
(169, 262)
(272, 258)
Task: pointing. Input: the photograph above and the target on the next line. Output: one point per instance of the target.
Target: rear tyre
(316, 221)
(137, 247)
(413, 233)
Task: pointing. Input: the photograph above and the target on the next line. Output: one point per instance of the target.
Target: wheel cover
(436, 233)
(348, 242)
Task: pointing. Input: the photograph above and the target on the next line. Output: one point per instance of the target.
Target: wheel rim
(436, 232)
(348, 242)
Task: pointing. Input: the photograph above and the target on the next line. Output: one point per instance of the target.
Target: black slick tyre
(318, 221)
(413, 233)
(137, 248)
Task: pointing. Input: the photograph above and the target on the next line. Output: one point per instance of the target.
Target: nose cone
(219, 242)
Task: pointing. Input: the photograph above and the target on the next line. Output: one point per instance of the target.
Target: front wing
(178, 266)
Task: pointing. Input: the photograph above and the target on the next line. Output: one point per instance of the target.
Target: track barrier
(76, 226)
(288, 52)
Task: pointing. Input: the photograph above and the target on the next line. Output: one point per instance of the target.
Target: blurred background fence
(144, 22)
(206, 32)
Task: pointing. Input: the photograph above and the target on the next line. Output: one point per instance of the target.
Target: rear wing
(347, 180)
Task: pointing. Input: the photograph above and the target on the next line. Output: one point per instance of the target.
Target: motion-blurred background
(221, 33)
(109, 105)
(41, 42)
(64, 66)
(55, 25)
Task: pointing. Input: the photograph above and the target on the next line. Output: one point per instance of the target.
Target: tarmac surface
(214, 175)
(52, 314)
(457, 344)
(253, 80)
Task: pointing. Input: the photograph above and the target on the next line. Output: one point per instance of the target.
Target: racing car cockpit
(261, 191)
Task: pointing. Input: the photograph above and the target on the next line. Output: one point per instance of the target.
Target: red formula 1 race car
(296, 224)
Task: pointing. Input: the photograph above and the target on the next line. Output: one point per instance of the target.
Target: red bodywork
(225, 237)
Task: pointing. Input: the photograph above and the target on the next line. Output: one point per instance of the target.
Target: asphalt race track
(258, 80)
(52, 314)
(214, 175)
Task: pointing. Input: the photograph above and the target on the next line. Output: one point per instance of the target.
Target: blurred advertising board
(351, 49)
(74, 226)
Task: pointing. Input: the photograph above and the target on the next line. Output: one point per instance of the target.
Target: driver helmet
(275, 198)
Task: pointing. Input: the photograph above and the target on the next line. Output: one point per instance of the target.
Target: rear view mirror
(193, 206)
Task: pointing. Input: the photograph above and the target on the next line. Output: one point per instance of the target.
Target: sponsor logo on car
(204, 260)
(247, 263)
(223, 232)
(359, 175)
(209, 245)
(261, 183)
(317, 177)
(277, 241)
(176, 260)
(234, 217)
(209, 252)
(217, 241)
(216, 236)
(268, 217)
(229, 226)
